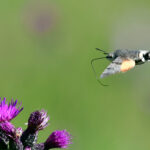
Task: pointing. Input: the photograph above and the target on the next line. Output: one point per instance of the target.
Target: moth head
(110, 56)
(147, 56)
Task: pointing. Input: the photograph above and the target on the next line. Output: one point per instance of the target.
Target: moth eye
(112, 55)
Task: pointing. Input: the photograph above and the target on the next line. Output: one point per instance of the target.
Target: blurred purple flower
(8, 111)
(40, 16)
(38, 120)
(58, 139)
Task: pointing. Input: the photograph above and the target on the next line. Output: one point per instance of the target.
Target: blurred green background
(45, 51)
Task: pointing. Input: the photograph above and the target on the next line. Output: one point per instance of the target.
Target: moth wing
(127, 64)
(118, 65)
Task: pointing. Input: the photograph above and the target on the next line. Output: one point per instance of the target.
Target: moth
(122, 60)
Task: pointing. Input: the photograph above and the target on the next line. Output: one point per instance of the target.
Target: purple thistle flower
(38, 120)
(8, 128)
(8, 111)
(12, 134)
(58, 139)
(15, 139)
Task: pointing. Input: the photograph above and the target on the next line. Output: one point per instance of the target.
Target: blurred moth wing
(118, 65)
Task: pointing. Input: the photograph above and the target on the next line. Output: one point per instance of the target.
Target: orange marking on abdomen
(127, 65)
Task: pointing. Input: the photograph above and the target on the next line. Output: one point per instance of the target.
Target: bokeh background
(45, 51)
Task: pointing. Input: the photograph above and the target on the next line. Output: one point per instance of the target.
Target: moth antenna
(94, 59)
(104, 52)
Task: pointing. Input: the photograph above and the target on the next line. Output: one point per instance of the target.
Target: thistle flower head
(58, 139)
(8, 128)
(38, 120)
(8, 111)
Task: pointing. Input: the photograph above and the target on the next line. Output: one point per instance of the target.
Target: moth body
(124, 60)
